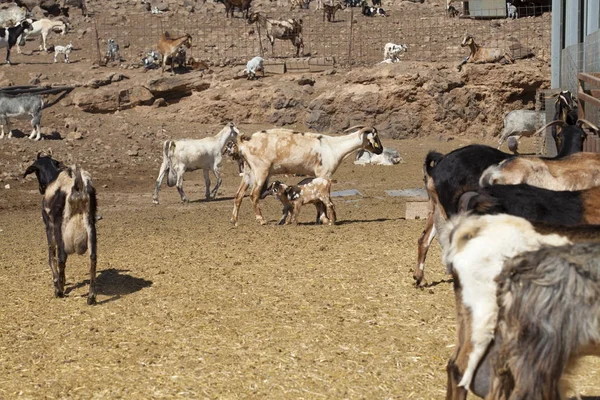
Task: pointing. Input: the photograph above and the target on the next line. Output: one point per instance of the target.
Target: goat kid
(231, 149)
(311, 190)
(42, 28)
(168, 46)
(18, 106)
(64, 50)
(10, 36)
(330, 10)
(253, 66)
(393, 51)
(180, 156)
(284, 151)
(69, 213)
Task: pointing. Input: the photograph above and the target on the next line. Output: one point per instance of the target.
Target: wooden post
(262, 53)
(350, 36)
(98, 54)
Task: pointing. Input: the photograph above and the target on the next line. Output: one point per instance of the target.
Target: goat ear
(30, 170)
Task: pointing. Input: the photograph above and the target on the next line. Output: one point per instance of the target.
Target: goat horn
(582, 121)
(354, 127)
(38, 155)
(463, 202)
(557, 122)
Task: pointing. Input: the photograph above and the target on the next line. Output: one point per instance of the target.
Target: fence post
(98, 54)
(350, 36)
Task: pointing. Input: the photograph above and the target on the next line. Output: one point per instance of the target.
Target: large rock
(108, 100)
(177, 85)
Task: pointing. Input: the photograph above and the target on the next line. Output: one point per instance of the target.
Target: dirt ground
(190, 306)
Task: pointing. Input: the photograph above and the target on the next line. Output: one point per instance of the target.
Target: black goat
(567, 208)
(571, 138)
(69, 213)
(565, 109)
(10, 36)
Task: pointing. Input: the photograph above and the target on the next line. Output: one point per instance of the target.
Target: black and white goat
(9, 37)
(69, 213)
(392, 51)
(18, 106)
(112, 51)
(368, 11)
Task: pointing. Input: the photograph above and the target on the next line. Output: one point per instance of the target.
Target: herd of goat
(519, 234)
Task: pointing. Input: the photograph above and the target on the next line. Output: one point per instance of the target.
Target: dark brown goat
(329, 11)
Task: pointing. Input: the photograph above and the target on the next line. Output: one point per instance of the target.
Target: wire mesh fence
(352, 39)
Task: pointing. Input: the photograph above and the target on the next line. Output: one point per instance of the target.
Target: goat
(10, 36)
(565, 109)
(11, 14)
(549, 302)
(446, 178)
(353, 3)
(180, 156)
(575, 172)
(243, 5)
(393, 51)
(232, 151)
(372, 11)
(511, 11)
(330, 10)
(42, 28)
(21, 105)
(299, 3)
(69, 213)
(578, 207)
(253, 66)
(112, 51)
(376, 3)
(64, 50)
(179, 59)
(290, 29)
(284, 151)
(167, 46)
(481, 55)
(475, 250)
(388, 157)
(310, 190)
(452, 12)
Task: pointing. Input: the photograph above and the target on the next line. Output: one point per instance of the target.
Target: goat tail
(431, 160)
(168, 149)
(79, 197)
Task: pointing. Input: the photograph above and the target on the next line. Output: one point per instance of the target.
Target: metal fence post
(350, 36)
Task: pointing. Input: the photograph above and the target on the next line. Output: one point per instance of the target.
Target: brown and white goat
(231, 150)
(289, 29)
(575, 172)
(481, 55)
(169, 46)
(284, 151)
(475, 250)
(549, 302)
(309, 191)
(69, 213)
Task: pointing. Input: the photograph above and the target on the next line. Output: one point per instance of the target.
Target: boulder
(177, 85)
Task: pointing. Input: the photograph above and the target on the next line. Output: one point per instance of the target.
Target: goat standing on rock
(168, 46)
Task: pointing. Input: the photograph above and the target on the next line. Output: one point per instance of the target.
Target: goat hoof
(91, 300)
(155, 202)
(58, 293)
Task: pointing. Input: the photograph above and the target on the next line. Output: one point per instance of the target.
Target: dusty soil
(193, 307)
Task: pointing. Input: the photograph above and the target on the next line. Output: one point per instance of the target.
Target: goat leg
(423, 247)
(8, 54)
(239, 196)
(255, 197)
(217, 173)
(180, 187)
(207, 193)
(92, 246)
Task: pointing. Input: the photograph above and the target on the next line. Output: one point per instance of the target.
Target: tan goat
(481, 55)
(168, 47)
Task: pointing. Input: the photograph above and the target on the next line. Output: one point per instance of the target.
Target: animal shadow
(115, 283)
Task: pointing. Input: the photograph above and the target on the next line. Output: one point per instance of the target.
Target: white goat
(388, 157)
(253, 66)
(64, 50)
(11, 15)
(42, 28)
(393, 51)
(184, 155)
(475, 249)
(284, 151)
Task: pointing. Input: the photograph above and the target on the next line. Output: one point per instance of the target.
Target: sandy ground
(193, 307)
